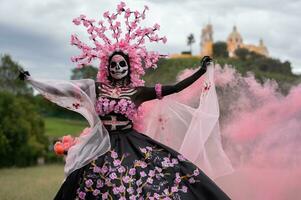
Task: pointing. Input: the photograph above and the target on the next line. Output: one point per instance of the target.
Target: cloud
(38, 34)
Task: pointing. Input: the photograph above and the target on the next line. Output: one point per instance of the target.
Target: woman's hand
(206, 60)
(23, 74)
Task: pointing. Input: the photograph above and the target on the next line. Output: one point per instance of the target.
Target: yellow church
(234, 41)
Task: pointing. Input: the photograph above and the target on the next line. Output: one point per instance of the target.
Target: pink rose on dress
(89, 183)
(113, 176)
(96, 192)
(132, 171)
(82, 195)
(114, 154)
(184, 189)
(116, 162)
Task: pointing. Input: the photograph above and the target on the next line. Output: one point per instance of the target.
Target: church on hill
(234, 41)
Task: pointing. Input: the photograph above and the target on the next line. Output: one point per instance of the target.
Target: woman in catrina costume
(180, 145)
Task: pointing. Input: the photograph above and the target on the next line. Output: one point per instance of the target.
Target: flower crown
(132, 44)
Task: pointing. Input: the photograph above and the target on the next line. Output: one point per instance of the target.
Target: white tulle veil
(189, 123)
(78, 96)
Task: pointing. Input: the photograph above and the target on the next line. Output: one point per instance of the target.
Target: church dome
(235, 36)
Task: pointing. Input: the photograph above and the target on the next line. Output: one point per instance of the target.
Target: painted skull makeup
(118, 67)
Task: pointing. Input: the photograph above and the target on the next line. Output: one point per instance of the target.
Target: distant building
(234, 41)
(207, 40)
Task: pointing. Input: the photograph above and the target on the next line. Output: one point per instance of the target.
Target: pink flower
(68, 142)
(191, 180)
(121, 169)
(86, 23)
(99, 184)
(96, 192)
(142, 174)
(96, 169)
(184, 189)
(89, 183)
(120, 7)
(151, 173)
(149, 180)
(104, 169)
(115, 190)
(178, 180)
(82, 195)
(113, 176)
(116, 162)
(139, 182)
(196, 172)
(174, 189)
(82, 16)
(164, 39)
(130, 190)
(159, 169)
(143, 150)
(105, 195)
(121, 188)
(157, 26)
(106, 14)
(114, 154)
(137, 14)
(76, 21)
(181, 157)
(132, 171)
(126, 179)
(127, 13)
(174, 161)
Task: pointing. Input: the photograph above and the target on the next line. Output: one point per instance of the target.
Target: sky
(37, 33)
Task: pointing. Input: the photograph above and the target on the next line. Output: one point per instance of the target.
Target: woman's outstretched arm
(48, 85)
(150, 93)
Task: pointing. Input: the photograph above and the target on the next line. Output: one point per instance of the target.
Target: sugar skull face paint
(118, 67)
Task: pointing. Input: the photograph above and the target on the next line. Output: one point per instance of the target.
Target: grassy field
(31, 183)
(39, 182)
(57, 127)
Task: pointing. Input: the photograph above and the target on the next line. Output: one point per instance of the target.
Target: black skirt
(138, 167)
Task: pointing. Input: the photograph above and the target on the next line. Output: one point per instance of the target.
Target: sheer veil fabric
(187, 122)
(78, 96)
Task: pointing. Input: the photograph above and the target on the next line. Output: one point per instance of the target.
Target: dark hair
(127, 59)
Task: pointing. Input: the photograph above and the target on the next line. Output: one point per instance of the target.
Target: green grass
(56, 127)
(31, 183)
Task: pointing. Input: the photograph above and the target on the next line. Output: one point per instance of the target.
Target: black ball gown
(137, 167)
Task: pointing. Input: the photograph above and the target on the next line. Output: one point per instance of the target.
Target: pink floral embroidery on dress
(113, 180)
(123, 106)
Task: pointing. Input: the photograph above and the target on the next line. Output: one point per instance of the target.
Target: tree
(9, 71)
(84, 72)
(220, 50)
(22, 138)
(242, 53)
(190, 41)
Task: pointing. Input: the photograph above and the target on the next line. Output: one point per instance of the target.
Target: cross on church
(114, 122)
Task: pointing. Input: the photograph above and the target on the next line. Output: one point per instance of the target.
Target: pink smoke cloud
(261, 131)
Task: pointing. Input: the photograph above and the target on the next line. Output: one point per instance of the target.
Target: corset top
(115, 101)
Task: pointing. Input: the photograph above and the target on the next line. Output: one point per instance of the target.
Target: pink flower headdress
(132, 43)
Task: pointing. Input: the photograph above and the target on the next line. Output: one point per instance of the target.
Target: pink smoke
(261, 134)
(261, 131)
